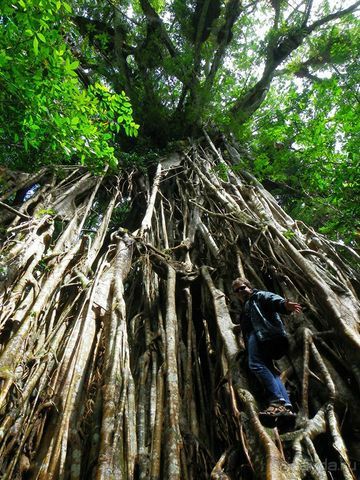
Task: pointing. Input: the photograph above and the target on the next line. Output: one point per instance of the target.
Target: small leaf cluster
(46, 112)
(221, 169)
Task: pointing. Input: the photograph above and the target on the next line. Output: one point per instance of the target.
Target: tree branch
(333, 16)
(247, 104)
(154, 20)
(120, 55)
(199, 34)
(276, 4)
(302, 72)
(14, 211)
(307, 12)
(233, 10)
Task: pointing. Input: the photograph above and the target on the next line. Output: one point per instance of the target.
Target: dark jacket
(261, 314)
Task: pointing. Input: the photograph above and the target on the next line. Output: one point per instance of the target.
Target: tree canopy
(281, 77)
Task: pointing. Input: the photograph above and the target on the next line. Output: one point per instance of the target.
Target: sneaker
(277, 410)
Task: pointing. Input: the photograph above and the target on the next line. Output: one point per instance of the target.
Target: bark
(118, 352)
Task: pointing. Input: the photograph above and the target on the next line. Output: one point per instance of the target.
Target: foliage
(221, 170)
(47, 116)
(120, 214)
(44, 211)
(307, 142)
(283, 80)
(140, 159)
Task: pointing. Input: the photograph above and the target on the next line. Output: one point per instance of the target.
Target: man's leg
(260, 365)
(284, 393)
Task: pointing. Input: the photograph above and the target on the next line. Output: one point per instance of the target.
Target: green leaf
(67, 7)
(36, 46)
(74, 65)
(41, 37)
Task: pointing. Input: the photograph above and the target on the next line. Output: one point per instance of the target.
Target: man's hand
(292, 306)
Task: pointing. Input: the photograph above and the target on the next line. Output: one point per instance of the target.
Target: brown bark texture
(118, 353)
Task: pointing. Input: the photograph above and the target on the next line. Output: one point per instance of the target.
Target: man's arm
(276, 303)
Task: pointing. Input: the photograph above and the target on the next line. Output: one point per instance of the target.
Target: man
(262, 328)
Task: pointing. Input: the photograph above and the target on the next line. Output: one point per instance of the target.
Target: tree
(118, 356)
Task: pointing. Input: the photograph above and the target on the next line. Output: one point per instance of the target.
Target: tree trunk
(118, 356)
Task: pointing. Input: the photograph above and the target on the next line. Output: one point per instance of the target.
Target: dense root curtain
(119, 357)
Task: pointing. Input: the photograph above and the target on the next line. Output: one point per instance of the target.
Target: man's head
(242, 288)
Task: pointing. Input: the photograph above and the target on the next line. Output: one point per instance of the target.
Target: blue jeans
(261, 365)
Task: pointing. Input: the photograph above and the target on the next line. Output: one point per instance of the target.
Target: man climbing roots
(265, 340)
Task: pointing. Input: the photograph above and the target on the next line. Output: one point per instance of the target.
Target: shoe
(289, 410)
(277, 410)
